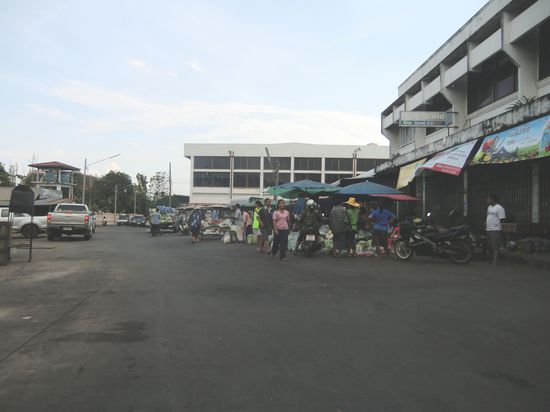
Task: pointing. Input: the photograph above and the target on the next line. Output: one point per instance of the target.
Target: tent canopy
(368, 189)
(293, 189)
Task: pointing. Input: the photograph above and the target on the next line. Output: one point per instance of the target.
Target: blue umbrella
(368, 189)
(292, 189)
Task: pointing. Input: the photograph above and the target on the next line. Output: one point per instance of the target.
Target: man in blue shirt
(381, 219)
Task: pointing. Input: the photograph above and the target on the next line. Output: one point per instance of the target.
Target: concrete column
(535, 199)
(456, 94)
(322, 170)
(524, 53)
(261, 175)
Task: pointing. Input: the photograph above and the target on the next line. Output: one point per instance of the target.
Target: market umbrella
(293, 189)
(373, 189)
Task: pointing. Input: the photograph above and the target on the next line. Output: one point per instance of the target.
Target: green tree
(5, 178)
(103, 193)
(158, 185)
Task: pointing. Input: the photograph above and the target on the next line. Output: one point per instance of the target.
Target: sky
(90, 79)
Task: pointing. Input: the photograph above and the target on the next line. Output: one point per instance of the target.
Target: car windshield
(71, 208)
(121, 217)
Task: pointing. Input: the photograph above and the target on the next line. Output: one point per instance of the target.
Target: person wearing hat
(195, 223)
(352, 211)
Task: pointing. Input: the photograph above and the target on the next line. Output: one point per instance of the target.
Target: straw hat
(351, 201)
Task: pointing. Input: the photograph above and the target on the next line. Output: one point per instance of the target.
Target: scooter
(421, 237)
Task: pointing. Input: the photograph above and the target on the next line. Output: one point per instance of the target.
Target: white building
(220, 172)
(501, 55)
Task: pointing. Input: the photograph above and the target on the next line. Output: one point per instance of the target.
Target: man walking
(239, 223)
(493, 225)
(266, 225)
(154, 219)
(353, 218)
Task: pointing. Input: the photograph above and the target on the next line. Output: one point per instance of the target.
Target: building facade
(490, 77)
(223, 172)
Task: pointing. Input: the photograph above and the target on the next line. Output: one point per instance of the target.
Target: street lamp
(86, 165)
(116, 193)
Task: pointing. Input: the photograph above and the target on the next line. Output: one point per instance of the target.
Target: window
(247, 162)
(497, 78)
(211, 179)
(334, 177)
(269, 179)
(307, 163)
(211, 162)
(339, 164)
(544, 50)
(316, 177)
(284, 163)
(246, 180)
(406, 135)
(5, 212)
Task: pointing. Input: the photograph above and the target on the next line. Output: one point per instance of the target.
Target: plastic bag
(226, 238)
(292, 240)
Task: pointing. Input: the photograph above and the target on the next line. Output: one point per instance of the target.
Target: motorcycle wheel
(402, 250)
(461, 252)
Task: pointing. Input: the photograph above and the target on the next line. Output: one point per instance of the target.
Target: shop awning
(407, 173)
(398, 197)
(528, 141)
(450, 161)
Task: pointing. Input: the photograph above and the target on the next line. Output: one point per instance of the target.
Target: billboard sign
(425, 119)
(528, 141)
(450, 161)
(407, 173)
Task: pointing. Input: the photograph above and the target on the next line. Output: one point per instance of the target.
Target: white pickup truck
(22, 222)
(70, 219)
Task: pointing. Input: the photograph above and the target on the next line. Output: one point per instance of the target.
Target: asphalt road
(127, 322)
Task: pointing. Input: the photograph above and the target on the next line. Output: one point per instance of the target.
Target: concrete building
(492, 75)
(221, 172)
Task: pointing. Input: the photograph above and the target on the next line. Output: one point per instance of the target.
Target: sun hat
(351, 201)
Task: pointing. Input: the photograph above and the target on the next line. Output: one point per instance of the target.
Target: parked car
(122, 219)
(70, 219)
(137, 220)
(23, 223)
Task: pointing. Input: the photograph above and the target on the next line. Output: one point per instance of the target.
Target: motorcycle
(311, 243)
(423, 239)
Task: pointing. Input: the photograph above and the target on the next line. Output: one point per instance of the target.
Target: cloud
(139, 64)
(116, 111)
(195, 65)
(49, 111)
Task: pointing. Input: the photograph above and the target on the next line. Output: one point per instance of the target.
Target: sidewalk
(538, 260)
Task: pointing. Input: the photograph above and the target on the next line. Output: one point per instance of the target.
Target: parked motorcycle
(423, 239)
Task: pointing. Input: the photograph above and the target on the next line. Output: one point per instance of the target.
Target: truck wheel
(88, 236)
(51, 237)
(29, 231)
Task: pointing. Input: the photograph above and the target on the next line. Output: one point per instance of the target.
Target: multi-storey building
(490, 77)
(222, 172)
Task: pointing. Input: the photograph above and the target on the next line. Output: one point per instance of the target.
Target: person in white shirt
(493, 227)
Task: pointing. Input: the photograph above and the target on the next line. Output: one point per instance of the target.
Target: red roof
(53, 165)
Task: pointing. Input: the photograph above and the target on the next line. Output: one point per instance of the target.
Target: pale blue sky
(94, 78)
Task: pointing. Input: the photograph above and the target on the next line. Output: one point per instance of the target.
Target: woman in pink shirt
(280, 230)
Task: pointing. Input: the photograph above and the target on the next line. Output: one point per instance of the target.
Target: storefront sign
(425, 119)
(407, 173)
(528, 141)
(450, 161)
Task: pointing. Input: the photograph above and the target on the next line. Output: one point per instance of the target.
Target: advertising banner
(450, 161)
(407, 173)
(528, 141)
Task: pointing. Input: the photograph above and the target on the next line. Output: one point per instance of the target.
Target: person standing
(338, 222)
(352, 211)
(239, 223)
(266, 225)
(154, 219)
(281, 218)
(493, 226)
(247, 221)
(381, 218)
(256, 223)
(195, 223)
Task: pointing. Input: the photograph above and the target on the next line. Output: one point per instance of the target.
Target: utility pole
(274, 167)
(169, 185)
(84, 174)
(231, 164)
(116, 195)
(135, 199)
(354, 161)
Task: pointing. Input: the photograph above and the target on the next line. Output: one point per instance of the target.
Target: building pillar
(525, 55)
(535, 199)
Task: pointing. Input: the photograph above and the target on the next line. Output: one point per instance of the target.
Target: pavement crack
(52, 323)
